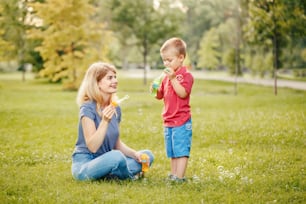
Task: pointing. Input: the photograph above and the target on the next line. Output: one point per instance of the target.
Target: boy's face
(171, 59)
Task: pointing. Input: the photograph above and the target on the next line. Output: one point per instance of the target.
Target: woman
(99, 152)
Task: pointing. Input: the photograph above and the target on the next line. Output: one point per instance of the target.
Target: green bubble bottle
(156, 84)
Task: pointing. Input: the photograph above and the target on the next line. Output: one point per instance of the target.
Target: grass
(248, 148)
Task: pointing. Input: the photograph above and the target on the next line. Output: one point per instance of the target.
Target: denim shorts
(178, 140)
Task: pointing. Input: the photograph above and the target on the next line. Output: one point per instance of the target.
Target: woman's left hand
(138, 157)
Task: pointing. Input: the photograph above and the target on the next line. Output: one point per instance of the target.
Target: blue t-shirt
(88, 109)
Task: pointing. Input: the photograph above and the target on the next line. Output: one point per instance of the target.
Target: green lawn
(248, 148)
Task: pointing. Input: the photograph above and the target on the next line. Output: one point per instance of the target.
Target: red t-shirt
(176, 110)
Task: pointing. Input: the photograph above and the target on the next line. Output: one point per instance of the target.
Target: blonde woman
(99, 152)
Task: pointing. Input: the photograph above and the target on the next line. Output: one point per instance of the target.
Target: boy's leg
(173, 166)
(182, 137)
(169, 151)
(181, 166)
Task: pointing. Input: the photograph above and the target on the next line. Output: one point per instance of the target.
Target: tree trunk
(275, 59)
(237, 48)
(275, 50)
(145, 53)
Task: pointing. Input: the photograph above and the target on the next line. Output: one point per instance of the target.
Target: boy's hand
(170, 73)
(151, 87)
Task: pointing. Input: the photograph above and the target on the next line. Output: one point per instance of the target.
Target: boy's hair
(175, 43)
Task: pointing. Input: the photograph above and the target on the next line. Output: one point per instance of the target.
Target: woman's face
(108, 84)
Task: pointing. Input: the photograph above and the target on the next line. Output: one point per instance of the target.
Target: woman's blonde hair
(89, 89)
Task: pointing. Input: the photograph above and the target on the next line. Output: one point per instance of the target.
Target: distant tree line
(61, 38)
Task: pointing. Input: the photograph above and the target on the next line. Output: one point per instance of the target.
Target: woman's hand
(138, 157)
(108, 113)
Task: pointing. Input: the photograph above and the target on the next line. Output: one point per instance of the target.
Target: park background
(249, 140)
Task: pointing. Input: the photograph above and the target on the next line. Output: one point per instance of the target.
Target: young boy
(175, 89)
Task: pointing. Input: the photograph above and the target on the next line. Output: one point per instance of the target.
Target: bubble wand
(117, 102)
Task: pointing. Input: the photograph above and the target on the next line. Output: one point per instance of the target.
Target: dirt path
(139, 73)
(258, 81)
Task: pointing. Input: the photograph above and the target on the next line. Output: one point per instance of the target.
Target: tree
(144, 23)
(199, 18)
(209, 55)
(5, 47)
(71, 40)
(297, 40)
(273, 20)
(14, 45)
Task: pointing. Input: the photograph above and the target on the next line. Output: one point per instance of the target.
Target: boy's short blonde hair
(178, 44)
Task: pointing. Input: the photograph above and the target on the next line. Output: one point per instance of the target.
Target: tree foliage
(70, 39)
(148, 25)
(274, 22)
(12, 30)
(66, 36)
(199, 18)
(208, 52)
(5, 47)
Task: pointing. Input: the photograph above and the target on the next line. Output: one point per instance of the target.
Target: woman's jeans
(113, 164)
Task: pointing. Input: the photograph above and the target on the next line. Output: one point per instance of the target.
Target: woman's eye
(111, 77)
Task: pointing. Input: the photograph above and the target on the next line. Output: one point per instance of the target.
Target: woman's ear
(99, 86)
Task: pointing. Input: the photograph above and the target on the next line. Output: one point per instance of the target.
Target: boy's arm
(160, 93)
(178, 88)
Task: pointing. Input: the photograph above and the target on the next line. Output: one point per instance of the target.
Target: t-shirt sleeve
(87, 110)
(118, 116)
(188, 82)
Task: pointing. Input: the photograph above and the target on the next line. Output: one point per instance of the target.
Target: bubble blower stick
(117, 102)
(145, 162)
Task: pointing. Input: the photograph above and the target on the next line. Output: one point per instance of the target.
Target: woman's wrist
(105, 121)
(137, 155)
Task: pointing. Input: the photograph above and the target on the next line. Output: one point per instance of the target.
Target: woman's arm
(127, 150)
(95, 137)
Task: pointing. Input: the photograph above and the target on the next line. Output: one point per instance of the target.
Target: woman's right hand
(108, 113)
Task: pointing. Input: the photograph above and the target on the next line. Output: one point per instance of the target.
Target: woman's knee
(79, 174)
(118, 157)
